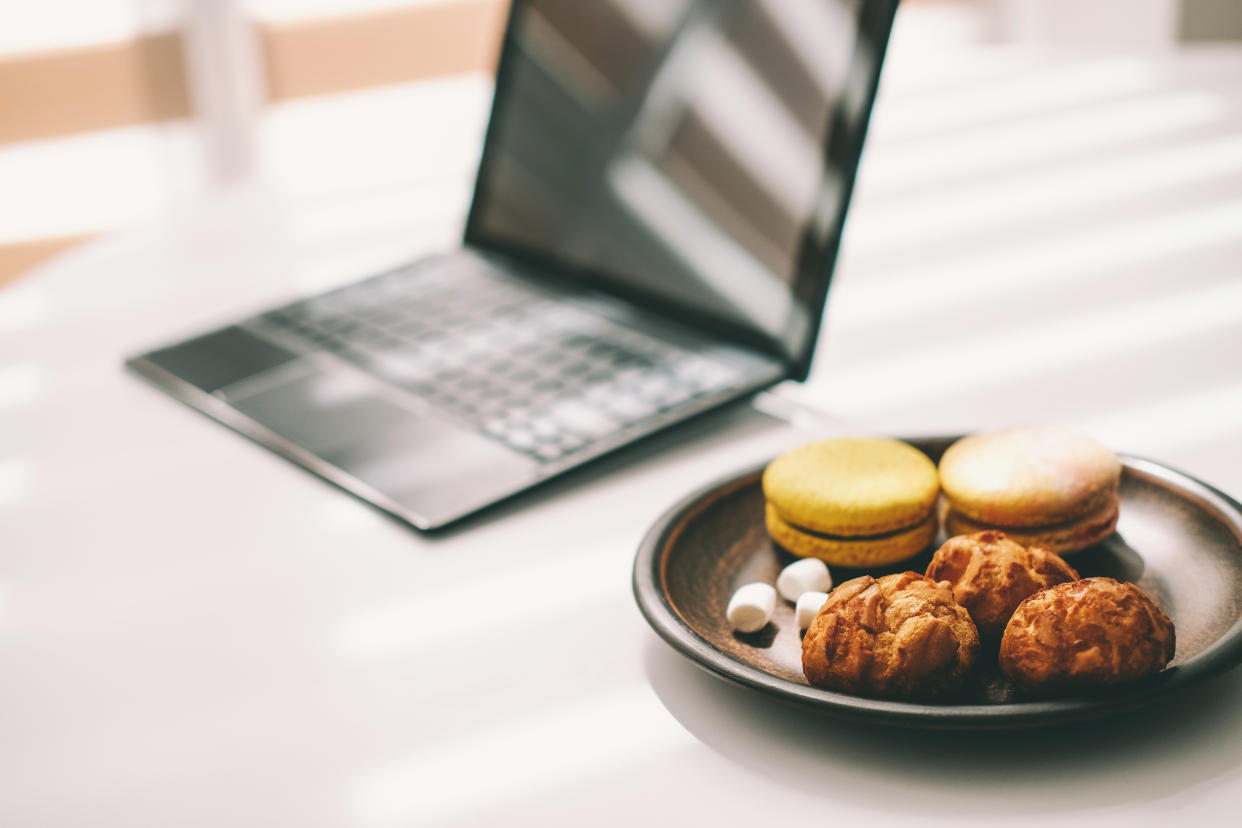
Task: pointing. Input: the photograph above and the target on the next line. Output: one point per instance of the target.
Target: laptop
(655, 221)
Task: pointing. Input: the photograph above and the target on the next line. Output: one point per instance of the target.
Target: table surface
(195, 632)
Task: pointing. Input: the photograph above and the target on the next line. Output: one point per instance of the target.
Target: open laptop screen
(695, 155)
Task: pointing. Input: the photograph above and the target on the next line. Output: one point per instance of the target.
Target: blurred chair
(102, 127)
(48, 95)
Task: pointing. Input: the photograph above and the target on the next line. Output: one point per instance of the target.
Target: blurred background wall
(113, 112)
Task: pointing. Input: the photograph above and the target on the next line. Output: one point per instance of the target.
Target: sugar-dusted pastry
(852, 501)
(1085, 634)
(1042, 486)
(991, 574)
(901, 636)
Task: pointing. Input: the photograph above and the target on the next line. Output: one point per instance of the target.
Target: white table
(194, 632)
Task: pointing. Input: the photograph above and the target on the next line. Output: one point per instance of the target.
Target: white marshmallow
(751, 607)
(806, 575)
(808, 607)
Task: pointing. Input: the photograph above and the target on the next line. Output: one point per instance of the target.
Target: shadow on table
(1181, 742)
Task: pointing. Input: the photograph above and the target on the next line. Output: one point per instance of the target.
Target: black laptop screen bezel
(816, 256)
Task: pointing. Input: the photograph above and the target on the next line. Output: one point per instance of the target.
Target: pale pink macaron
(1042, 485)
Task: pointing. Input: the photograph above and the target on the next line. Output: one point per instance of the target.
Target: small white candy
(751, 607)
(808, 607)
(806, 575)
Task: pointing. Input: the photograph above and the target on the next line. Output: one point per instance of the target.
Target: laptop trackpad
(432, 468)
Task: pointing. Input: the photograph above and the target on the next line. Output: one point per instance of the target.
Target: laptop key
(544, 428)
(496, 426)
(631, 409)
(521, 439)
(582, 420)
(548, 451)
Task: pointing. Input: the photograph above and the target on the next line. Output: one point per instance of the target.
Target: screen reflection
(681, 149)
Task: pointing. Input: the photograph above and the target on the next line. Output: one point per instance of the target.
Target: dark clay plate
(1178, 538)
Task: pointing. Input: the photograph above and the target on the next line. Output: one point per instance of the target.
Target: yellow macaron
(852, 501)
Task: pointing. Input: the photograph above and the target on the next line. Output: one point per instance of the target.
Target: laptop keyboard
(528, 369)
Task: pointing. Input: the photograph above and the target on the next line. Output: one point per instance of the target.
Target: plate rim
(656, 607)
